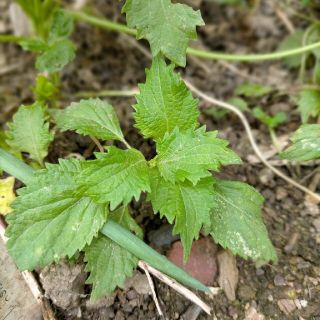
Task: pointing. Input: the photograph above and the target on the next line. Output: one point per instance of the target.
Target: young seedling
(84, 206)
(272, 122)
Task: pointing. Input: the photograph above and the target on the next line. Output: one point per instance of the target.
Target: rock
(286, 306)
(281, 193)
(64, 284)
(279, 281)
(312, 209)
(316, 223)
(260, 272)
(138, 282)
(228, 274)
(253, 314)
(202, 262)
(131, 294)
(292, 242)
(162, 236)
(265, 176)
(192, 313)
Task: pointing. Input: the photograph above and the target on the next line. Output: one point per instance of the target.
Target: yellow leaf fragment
(6, 195)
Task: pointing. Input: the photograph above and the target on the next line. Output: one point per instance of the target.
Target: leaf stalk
(211, 55)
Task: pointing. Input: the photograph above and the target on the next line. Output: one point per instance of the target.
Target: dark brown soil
(108, 60)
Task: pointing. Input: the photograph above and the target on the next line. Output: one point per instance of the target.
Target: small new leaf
(187, 204)
(61, 26)
(253, 90)
(115, 177)
(44, 89)
(29, 132)
(168, 27)
(51, 218)
(292, 41)
(164, 103)
(92, 117)
(108, 263)
(33, 44)
(236, 221)
(54, 58)
(306, 144)
(190, 155)
(271, 122)
(309, 104)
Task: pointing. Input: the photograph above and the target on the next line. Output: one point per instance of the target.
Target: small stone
(303, 265)
(253, 314)
(286, 306)
(120, 316)
(303, 303)
(139, 283)
(192, 312)
(316, 223)
(265, 175)
(131, 294)
(270, 297)
(162, 236)
(281, 193)
(279, 281)
(259, 272)
(202, 262)
(312, 208)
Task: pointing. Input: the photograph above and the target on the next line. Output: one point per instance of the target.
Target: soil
(106, 60)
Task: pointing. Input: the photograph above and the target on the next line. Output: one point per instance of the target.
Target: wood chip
(228, 274)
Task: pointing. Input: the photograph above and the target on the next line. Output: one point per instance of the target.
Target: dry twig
(144, 267)
(178, 287)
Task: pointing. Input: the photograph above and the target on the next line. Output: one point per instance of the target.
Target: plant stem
(107, 93)
(15, 167)
(11, 38)
(102, 22)
(274, 139)
(304, 56)
(97, 143)
(141, 250)
(114, 26)
(111, 229)
(126, 143)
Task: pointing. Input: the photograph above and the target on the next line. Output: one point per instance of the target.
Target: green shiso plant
(84, 206)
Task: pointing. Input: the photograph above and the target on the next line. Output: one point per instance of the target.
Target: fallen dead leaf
(228, 274)
(6, 195)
